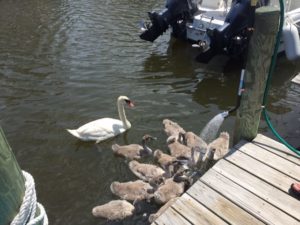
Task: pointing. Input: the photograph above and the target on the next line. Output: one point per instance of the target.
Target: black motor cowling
(232, 38)
(175, 11)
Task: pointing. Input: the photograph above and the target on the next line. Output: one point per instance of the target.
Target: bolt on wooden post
(260, 52)
(12, 184)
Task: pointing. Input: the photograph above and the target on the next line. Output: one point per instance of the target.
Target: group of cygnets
(166, 181)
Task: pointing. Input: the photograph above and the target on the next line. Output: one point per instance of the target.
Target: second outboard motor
(175, 11)
(232, 38)
(233, 35)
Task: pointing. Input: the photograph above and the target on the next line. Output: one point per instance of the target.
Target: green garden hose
(271, 70)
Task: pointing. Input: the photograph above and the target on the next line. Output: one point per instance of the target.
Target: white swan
(105, 128)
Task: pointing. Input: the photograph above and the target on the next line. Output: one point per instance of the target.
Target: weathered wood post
(12, 184)
(260, 52)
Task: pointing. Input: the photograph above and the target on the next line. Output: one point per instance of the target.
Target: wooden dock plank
(249, 186)
(195, 212)
(170, 216)
(247, 200)
(264, 172)
(215, 202)
(276, 148)
(267, 192)
(271, 160)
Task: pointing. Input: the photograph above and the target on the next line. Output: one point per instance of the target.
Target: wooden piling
(12, 186)
(260, 52)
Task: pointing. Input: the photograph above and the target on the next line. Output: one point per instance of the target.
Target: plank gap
(284, 168)
(216, 214)
(257, 207)
(195, 212)
(260, 188)
(171, 217)
(221, 206)
(261, 170)
(277, 148)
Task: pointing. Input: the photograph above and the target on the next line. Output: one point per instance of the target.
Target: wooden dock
(249, 186)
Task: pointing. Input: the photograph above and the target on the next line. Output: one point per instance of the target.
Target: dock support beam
(12, 186)
(260, 52)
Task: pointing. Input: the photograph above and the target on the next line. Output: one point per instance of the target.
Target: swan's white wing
(101, 129)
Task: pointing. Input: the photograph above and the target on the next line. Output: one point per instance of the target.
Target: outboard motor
(227, 34)
(232, 37)
(175, 11)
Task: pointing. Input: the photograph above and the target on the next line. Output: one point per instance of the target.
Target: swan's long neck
(122, 115)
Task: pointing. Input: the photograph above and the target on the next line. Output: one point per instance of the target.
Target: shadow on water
(178, 60)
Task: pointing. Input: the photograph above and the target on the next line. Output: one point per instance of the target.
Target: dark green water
(64, 63)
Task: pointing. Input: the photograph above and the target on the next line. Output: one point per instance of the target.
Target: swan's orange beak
(129, 103)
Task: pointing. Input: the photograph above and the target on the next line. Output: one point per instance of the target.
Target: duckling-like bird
(134, 151)
(114, 210)
(220, 146)
(132, 190)
(170, 189)
(164, 159)
(191, 140)
(216, 150)
(191, 161)
(146, 172)
(105, 128)
(171, 128)
(177, 149)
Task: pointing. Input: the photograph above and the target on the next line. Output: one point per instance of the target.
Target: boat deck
(249, 186)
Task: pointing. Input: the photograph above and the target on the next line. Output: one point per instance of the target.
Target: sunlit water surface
(64, 63)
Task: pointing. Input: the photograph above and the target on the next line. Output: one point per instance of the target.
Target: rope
(28, 210)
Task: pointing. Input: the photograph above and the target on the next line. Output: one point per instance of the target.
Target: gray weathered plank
(276, 148)
(221, 206)
(268, 174)
(271, 160)
(171, 217)
(267, 192)
(195, 212)
(247, 200)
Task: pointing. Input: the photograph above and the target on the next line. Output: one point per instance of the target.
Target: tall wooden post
(12, 186)
(260, 52)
